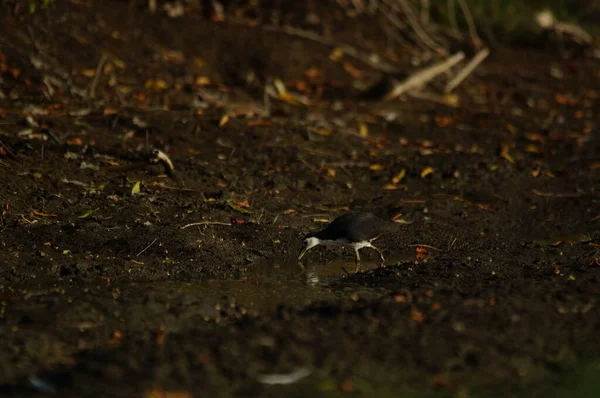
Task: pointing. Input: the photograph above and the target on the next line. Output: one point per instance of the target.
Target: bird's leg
(380, 254)
(357, 260)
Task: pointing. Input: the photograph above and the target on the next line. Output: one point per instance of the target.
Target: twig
(423, 76)
(467, 70)
(374, 61)
(206, 223)
(421, 33)
(470, 23)
(97, 75)
(7, 149)
(147, 247)
(546, 20)
(452, 16)
(427, 246)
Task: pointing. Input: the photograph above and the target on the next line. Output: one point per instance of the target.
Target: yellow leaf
(199, 62)
(203, 80)
(504, 153)
(426, 171)
(398, 177)
(512, 129)
(238, 208)
(88, 72)
(321, 220)
(336, 54)
(224, 120)
(156, 84)
(280, 87)
(331, 172)
(390, 187)
(531, 148)
(323, 132)
(376, 167)
(364, 130)
(118, 63)
(136, 188)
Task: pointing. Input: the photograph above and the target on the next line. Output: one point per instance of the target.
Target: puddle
(265, 286)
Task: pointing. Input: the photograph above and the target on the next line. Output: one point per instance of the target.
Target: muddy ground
(492, 278)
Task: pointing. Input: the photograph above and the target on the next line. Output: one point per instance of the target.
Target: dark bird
(355, 230)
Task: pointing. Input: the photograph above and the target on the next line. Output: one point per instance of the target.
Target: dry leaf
(426, 171)
(352, 70)
(312, 73)
(39, 213)
(156, 84)
(202, 81)
(504, 153)
(398, 177)
(75, 141)
(376, 167)
(363, 130)
(416, 315)
(224, 120)
(323, 132)
(336, 54)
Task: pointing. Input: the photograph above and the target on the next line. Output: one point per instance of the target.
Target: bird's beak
(303, 252)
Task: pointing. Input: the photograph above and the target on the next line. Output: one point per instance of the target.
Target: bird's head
(308, 242)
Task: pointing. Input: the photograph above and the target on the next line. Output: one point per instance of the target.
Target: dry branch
(423, 76)
(467, 70)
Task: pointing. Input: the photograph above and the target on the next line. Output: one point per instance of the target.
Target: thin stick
(206, 223)
(452, 16)
(470, 23)
(467, 70)
(97, 75)
(423, 76)
(427, 246)
(421, 33)
(147, 247)
(374, 62)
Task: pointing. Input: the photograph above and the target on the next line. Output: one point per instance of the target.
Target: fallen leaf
(85, 213)
(336, 54)
(398, 177)
(443, 121)
(224, 120)
(110, 111)
(136, 188)
(236, 221)
(75, 141)
(426, 171)
(535, 137)
(416, 315)
(531, 148)
(504, 153)
(352, 70)
(156, 84)
(88, 72)
(323, 132)
(321, 220)
(202, 81)
(238, 208)
(242, 203)
(312, 73)
(511, 129)
(39, 213)
(363, 130)
(289, 211)
(376, 167)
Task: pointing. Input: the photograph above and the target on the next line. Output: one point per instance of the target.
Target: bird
(355, 230)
